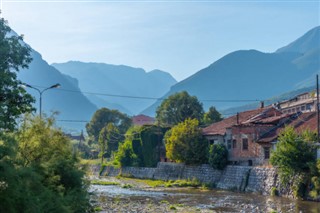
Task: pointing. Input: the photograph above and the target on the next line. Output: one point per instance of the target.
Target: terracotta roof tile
(301, 122)
(220, 127)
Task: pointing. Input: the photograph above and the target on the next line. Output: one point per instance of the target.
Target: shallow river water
(118, 199)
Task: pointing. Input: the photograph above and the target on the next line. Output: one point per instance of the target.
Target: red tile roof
(300, 121)
(140, 120)
(220, 127)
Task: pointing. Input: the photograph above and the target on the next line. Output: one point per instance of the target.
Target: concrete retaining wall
(241, 178)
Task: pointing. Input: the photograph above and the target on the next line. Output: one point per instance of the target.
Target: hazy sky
(180, 37)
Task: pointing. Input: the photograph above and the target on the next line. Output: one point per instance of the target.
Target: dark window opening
(211, 142)
(266, 152)
(234, 144)
(229, 144)
(244, 144)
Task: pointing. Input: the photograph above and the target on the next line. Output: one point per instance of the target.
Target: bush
(218, 156)
(125, 155)
(39, 172)
(274, 191)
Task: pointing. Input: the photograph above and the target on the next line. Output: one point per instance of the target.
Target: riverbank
(135, 195)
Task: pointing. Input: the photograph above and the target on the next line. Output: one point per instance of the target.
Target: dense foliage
(294, 157)
(218, 156)
(212, 116)
(126, 156)
(14, 54)
(185, 143)
(146, 144)
(103, 117)
(108, 140)
(315, 181)
(177, 108)
(39, 172)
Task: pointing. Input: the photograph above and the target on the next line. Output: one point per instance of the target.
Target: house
(251, 135)
(140, 120)
(305, 102)
(217, 132)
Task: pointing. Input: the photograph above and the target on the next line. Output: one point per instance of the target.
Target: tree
(39, 172)
(212, 116)
(292, 153)
(125, 155)
(177, 108)
(14, 55)
(218, 156)
(294, 156)
(109, 139)
(48, 152)
(185, 143)
(104, 116)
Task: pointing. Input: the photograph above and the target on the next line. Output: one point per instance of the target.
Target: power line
(149, 98)
(73, 121)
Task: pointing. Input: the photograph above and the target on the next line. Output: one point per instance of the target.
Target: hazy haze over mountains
(70, 105)
(253, 75)
(240, 75)
(107, 81)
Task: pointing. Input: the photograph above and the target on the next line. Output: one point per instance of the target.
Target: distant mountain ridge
(112, 81)
(253, 75)
(68, 101)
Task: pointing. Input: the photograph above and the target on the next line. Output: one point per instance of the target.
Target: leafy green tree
(104, 116)
(48, 152)
(14, 55)
(315, 180)
(109, 139)
(294, 157)
(177, 108)
(218, 156)
(126, 156)
(212, 116)
(292, 153)
(185, 143)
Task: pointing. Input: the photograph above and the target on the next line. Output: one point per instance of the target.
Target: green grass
(90, 161)
(97, 209)
(127, 186)
(171, 183)
(172, 207)
(165, 202)
(105, 183)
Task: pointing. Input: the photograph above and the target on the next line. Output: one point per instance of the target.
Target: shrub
(218, 156)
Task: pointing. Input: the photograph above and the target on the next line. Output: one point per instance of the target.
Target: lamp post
(40, 93)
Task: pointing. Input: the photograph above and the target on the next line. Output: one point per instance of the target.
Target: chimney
(237, 117)
(261, 104)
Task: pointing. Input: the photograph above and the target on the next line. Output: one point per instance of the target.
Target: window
(234, 144)
(308, 106)
(266, 152)
(229, 144)
(211, 141)
(245, 144)
(303, 108)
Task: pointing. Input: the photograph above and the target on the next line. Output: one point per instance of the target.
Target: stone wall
(262, 180)
(241, 178)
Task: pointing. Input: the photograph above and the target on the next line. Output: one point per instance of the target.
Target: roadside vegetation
(39, 172)
(295, 158)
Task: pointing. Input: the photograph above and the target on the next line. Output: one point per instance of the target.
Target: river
(116, 198)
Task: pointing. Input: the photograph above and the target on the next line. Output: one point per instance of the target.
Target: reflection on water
(217, 200)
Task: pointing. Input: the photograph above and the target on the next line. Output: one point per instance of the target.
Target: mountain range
(240, 78)
(118, 86)
(68, 101)
(248, 76)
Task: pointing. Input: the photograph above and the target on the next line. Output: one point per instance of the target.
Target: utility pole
(318, 114)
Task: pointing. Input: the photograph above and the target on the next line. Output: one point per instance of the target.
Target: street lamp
(40, 93)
